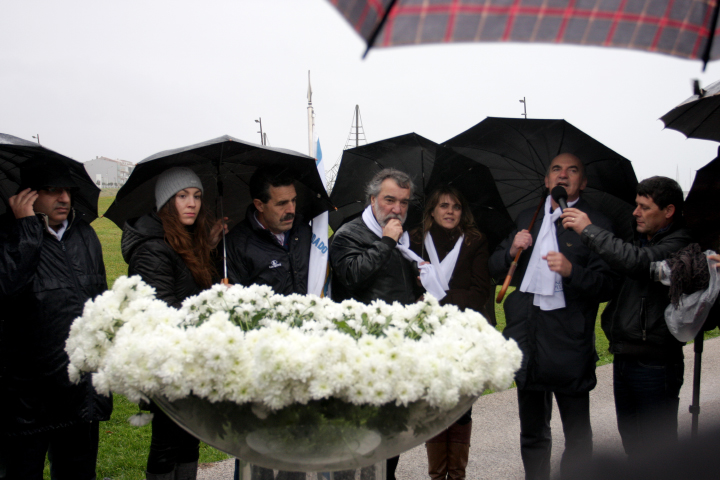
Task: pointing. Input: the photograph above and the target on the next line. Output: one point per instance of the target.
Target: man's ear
(259, 205)
(669, 211)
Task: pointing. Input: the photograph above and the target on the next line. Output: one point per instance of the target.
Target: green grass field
(123, 448)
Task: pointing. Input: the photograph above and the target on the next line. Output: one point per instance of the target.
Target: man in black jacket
(271, 247)
(366, 264)
(51, 263)
(366, 261)
(648, 363)
(551, 315)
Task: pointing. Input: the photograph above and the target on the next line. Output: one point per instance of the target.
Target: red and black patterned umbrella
(683, 28)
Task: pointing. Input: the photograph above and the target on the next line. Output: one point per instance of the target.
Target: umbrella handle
(513, 265)
(508, 278)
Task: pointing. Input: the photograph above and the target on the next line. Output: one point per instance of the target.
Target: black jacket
(634, 320)
(255, 256)
(148, 255)
(44, 285)
(559, 345)
(367, 268)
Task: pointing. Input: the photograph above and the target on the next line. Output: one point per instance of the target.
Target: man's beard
(383, 220)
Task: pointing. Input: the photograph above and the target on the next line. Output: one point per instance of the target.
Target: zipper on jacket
(643, 318)
(70, 269)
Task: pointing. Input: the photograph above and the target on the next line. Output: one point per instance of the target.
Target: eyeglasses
(59, 190)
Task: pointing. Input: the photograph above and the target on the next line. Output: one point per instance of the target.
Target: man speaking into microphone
(551, 315)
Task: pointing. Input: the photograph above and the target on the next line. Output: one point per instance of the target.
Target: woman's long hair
(467, 221)
(192, 244)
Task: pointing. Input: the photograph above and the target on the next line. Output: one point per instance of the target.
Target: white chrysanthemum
(246, 344)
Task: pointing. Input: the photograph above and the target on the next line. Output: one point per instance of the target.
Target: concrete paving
(495, 449)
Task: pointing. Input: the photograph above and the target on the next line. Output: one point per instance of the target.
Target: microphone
(559, 194)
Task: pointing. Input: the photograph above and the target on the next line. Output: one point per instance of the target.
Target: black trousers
(535, 437)
(170, 445)
(72, 452)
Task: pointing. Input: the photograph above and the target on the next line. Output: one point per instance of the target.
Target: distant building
(109, 173)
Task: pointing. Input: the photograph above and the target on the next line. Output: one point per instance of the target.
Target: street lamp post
(524, 114)
(37, 137)
(262, 138)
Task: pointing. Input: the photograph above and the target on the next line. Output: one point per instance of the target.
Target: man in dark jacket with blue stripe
(51, 263)
(648, 363)
(271, 247)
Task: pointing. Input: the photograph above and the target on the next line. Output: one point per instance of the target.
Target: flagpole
(311, 122)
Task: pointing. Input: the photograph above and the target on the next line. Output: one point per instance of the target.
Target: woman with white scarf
(450, 241)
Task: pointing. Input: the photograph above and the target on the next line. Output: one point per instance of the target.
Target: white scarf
(428, 275)
(539, 279)
(447, 266)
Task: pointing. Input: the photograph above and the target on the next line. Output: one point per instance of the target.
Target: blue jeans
(646, 401)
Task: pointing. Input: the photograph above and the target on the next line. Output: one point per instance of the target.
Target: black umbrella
(15, 151)
(224, 165)
(411, 153)
(702, 206)
(429, 165)
(699, 115)
(518, 153)
(702, 214)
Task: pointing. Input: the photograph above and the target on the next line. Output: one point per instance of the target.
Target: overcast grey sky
(126, 79)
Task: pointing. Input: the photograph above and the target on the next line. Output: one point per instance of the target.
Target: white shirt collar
(279, 236)
(59, 233)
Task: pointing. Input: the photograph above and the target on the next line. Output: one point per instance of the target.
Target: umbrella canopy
(411, 153)
(684, 29)
(15, 151)
(702, 206)
(518, 153)
(429, 165)
(698, 116)
(224, 165)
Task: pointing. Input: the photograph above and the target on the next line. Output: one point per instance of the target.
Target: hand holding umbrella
(22, 203)
(218, 231)
(522, 241)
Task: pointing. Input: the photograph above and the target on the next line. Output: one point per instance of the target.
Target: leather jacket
(367, 268)
(148, 255)
(634, 320)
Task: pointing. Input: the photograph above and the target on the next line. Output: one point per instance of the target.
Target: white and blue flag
(318, 271)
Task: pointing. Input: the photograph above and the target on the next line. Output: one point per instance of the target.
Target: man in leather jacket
(551, 315)
(648, 364)
(366, 264)
(367, 267)
(51, 262)
(271, 247)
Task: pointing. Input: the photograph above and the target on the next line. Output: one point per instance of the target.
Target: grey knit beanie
(172, 181)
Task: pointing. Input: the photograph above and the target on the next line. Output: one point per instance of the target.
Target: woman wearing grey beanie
(171, 250)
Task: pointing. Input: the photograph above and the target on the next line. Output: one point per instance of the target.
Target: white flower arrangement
(247, 345)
